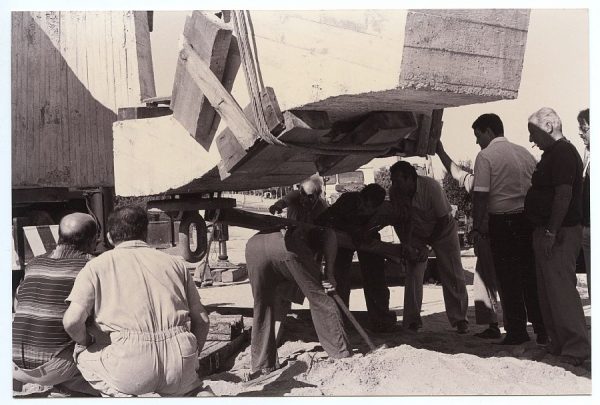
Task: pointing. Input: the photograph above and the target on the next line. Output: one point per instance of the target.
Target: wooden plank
(300, 126)
(233, 275)
(214, 355)
(424, 131)
(218, 96)
(381, 127)
(436, 131)
(144, 55)
(210, 38)
(132, 113)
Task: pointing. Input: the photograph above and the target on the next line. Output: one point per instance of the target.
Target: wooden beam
(261, 222)
(144, 53)
(133, 113)
(376, 128)
(210, 39)
(218, 96)
(300, 126)
(436, 130)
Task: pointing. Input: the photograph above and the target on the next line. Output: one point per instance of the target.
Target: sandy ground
(435, 361)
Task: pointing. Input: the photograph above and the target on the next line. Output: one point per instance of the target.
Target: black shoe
(514, 340)
(541, 339)
(462, 327)
(414, 326)
(386, 328)
(489, 333)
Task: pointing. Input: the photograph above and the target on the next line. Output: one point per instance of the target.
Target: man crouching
(280, 257)
(42, 350)
(147, 304)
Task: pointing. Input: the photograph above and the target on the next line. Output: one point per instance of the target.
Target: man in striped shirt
(42, 350)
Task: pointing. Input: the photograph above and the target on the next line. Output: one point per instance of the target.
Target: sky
(555, 74)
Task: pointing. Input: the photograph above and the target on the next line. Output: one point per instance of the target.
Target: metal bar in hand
(357, 326)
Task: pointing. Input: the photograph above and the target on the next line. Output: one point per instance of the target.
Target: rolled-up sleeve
(84, 289)
(482, 171)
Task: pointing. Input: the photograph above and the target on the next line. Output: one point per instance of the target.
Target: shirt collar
(63, 251)
(131, 244)
(498, 139)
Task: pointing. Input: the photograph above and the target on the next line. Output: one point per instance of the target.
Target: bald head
(78, 230)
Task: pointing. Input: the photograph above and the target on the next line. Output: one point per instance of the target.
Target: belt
(506, 214)
(156, 336)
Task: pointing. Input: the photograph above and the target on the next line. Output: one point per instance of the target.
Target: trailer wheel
(193, 243)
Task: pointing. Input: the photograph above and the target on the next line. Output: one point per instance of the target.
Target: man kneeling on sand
(147, 308)
(42, 350)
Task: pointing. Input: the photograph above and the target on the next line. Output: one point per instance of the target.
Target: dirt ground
(434, 361)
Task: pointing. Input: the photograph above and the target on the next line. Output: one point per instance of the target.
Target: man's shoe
(541, 339)
(462, 327)
(514, 340)
(386, 328)
(489, 333)
(414, 326)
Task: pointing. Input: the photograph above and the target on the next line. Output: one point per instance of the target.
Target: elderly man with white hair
(554, 206)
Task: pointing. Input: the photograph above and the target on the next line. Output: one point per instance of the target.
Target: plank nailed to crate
(210, 38)
(225, 327)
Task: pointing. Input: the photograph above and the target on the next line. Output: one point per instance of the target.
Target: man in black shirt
(351, 213)
(553, 204)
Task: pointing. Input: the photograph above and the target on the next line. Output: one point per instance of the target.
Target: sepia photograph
(306, 202)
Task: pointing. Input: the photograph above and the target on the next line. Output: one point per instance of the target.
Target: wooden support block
(424, 130)
(133, 113)
(218, 96)
(209, 37)
(233, 275)
(143, 26)
(215, 353)
(225, 327)
(376, 128)
(300, 126)
(273, 116)
(436, 130)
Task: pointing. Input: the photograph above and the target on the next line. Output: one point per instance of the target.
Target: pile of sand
(408, 370)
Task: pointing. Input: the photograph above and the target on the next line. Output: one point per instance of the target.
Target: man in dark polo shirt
(351, 213)
(553, 205)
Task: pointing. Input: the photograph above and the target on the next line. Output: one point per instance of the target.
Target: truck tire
(193, 242)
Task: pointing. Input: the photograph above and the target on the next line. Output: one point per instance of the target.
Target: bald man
(42, 350)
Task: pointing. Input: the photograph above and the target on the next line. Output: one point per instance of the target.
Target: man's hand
(548, 244)
(273, 209)
(477, 238)
(328, 287)
(415, 254)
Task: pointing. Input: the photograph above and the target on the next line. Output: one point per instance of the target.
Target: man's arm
(440, 225)
(330, 247)
(199, 321)
(279, 205)
(455, 171)
(560, 206)
(480, 211)
(74, 324)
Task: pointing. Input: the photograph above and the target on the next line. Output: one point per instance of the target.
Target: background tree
(458, 195)
(382, 177)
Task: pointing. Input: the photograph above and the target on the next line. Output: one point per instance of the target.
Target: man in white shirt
(485, 291)
(503, 173)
